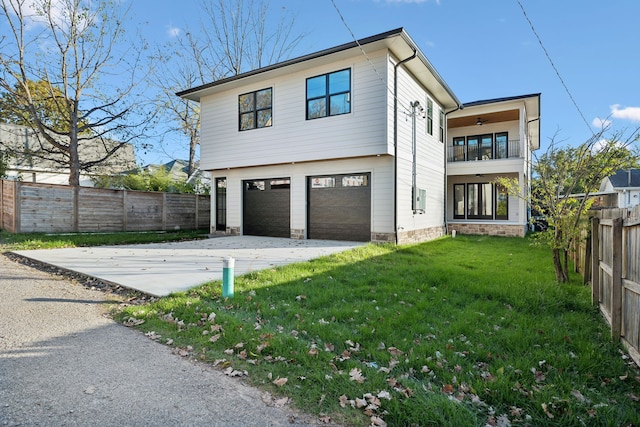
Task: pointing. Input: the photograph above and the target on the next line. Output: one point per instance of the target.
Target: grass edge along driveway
(469, 331)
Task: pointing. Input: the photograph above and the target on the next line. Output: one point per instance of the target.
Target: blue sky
(482, 49)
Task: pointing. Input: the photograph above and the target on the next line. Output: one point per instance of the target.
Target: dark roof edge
(297, 60)
(508, 98)
(431, 68)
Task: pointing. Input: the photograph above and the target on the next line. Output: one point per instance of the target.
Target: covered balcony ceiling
(485, 118)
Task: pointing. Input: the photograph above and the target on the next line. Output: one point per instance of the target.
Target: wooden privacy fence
(615, 279)
(31, 207)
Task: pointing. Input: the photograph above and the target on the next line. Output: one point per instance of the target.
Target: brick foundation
(297, 233)
(489, 229)
(383, 238)
(421, 235)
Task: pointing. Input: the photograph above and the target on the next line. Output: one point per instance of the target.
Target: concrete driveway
(159, 269)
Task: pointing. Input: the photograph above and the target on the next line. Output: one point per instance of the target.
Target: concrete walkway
(162, 268)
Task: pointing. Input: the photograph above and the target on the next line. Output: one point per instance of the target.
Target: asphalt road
(63, 362)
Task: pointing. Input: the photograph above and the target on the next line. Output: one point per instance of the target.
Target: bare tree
(234, 36)
(72, 47)
(564, 181)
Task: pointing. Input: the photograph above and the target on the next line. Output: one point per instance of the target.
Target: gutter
(395, 140)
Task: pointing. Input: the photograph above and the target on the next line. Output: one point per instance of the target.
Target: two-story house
(486, 140)
(348, 143)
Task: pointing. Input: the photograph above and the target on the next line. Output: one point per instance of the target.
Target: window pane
(264, 118)
(247, 121)
(486, 143)
(246, 102)
(354, 181)
(501, 146)
(458, 149)
(502, 203)
(472, 201)
(323, 182)
(340, 104)
(316, 108)
(339, 81)
(472, 148)
(458, 201)
(316, 86)
(487, 202)
(255, 185)
(263, 99)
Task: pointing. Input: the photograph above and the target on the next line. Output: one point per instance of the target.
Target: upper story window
(255, 109)
(441, 126)
(429, 116)
(329, 94)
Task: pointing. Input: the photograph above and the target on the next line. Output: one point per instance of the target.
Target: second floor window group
(327, 95)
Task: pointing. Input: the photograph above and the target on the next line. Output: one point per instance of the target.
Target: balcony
(474, 152)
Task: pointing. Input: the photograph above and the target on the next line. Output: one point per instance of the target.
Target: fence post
(616, 284)
(17, 213)
(595, 260)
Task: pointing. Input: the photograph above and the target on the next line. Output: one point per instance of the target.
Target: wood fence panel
(180, 211)
(145, 211)
(35, 207)
(100, 210)
(616, 281)
(46, 208)
(204, 212)
(8, 206)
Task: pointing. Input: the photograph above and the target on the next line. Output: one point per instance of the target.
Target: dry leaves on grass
(279, 382)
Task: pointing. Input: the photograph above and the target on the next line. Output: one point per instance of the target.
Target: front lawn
(455, 332)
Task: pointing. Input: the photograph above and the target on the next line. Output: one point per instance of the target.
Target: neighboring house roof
(397, 41)
(625, 178)
(29, 153)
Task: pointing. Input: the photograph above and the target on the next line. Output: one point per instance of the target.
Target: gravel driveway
(63, 362)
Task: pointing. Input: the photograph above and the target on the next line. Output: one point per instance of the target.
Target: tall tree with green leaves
(234, 36)
(563, 183)
(56, 57)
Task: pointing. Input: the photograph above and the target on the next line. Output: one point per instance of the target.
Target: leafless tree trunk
(72, 45)
(234, 36)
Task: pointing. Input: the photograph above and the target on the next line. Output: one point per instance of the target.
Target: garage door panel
(266, 210)
(338, 211)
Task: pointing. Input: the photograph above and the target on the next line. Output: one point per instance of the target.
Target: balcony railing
(466, 153)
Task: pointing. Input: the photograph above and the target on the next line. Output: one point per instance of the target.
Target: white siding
(381, 169)
(430, 171)
(292, 138)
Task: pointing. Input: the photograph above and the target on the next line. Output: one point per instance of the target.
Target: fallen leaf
(377, 421)
(215, 337)
(384, 395)
(360, 403)
(325, 419)
(279, 403)
(280, 381)
(355, 374)
(546, 411)
(394, 351)
(343, 400)
(313, 352)
(447, 389)
(578, 395)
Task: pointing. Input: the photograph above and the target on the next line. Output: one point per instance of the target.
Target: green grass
(26, 241)
(464, 331)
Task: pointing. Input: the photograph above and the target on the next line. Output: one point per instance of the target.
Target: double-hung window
(329, 94)
(441, 122)
(255, 109)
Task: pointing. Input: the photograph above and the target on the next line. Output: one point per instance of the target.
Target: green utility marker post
(227, 277)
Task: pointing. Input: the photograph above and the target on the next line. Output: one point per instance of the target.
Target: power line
(344, 22)
(566, 88)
